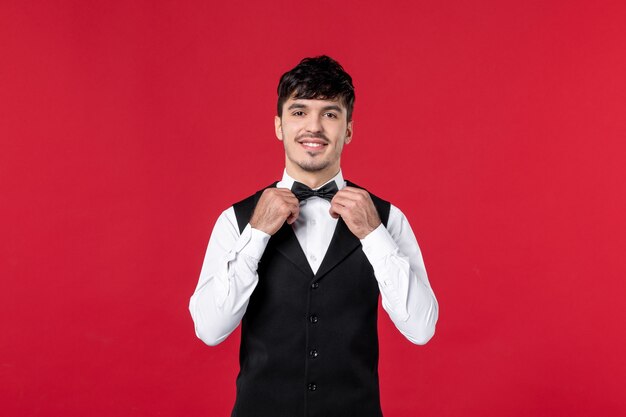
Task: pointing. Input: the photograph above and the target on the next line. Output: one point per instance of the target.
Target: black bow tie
(302, 192)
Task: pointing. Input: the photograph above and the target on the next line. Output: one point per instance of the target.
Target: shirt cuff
(378, 244)
(253, 242)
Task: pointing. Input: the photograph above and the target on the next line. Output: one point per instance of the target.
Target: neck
(312, 179)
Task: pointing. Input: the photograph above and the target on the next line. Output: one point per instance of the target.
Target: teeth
(312, 144)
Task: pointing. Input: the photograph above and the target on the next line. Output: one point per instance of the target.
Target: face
(313, 134)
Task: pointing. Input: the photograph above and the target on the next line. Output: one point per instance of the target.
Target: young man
(302, 263)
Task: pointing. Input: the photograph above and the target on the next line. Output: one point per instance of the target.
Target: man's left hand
(357, 210)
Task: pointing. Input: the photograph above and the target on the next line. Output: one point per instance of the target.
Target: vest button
(313, 318)
(312, 387)
(313, 353)
(315, 285)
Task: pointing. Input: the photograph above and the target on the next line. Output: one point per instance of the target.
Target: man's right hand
(275, 206)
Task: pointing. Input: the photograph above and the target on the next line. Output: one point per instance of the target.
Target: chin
(313, 167)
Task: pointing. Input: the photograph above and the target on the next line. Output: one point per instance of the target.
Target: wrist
(378, 244)
(370, 229)
(255, 242)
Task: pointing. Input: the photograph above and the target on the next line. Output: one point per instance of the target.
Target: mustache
(319, 135)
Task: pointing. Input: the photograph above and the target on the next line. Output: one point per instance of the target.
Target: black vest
(309, 342)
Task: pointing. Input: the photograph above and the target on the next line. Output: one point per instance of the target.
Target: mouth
(312, 144)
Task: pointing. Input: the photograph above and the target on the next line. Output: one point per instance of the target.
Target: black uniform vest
(309, 342)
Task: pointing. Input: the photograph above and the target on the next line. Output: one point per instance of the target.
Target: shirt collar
(287, 181)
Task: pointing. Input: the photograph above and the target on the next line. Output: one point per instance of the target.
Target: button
(313, 318)
(312, 387)
(313, 353)
(312, 222)
(315, 285)
(313, 258)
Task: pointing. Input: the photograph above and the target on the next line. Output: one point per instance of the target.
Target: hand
(357, 210)
(275, 206)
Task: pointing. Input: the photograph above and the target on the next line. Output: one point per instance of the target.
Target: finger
(351, 195)
(354, 190)
(293, 216)
(287, 195)
(293, 200)
(337, 210)
(354, 200)
(356, 194)
(343, 200)
(284, 191)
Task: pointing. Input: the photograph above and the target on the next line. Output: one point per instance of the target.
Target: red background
(497, 127)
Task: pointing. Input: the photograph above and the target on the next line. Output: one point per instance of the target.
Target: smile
(312, 145)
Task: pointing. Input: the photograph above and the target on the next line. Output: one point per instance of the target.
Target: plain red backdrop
(497, 127)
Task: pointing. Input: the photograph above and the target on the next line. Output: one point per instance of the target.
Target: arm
(399, 268)
(227, 280)
(229, 272)
(397, 262)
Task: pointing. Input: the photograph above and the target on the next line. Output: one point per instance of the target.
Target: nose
(313, 123)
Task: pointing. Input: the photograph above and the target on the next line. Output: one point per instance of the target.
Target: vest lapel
(287, 244)
(342, 244)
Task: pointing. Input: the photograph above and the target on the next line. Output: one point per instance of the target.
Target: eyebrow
(325, 108)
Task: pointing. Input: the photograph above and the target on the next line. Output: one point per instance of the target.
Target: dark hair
(319, 78)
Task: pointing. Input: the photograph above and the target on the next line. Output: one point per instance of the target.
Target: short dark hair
(319, 78)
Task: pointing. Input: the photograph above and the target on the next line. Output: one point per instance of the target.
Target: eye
(298, 113)
(330, 115)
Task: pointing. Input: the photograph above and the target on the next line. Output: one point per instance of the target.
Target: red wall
(498, 127)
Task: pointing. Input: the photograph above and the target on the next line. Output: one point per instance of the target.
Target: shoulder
(374, 196)
(254, 197)
(399, 226)
(392, 217)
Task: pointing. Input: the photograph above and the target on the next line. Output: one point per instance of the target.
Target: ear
(349, 130)
(278, 127)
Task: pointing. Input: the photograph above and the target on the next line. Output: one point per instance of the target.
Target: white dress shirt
(229, 272)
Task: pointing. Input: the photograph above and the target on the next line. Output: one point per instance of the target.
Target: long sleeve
(227, 279)
(399, 269)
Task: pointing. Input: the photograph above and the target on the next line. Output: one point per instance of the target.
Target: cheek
(289, 132)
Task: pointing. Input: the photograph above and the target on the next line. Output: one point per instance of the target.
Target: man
(302, 262)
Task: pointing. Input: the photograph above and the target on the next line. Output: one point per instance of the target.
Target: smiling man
(302, 263)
